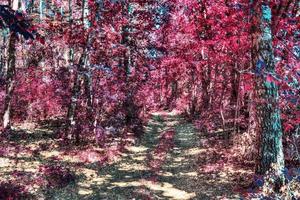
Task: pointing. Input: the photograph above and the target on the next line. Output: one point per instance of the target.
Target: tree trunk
(10, 82)
(73, 105)
(205, 84)
(235, 77)
(2, 54)
(271, 150)
(193, 107)
(82, 78)
(74, 98)
(42, 9)
(88, 87)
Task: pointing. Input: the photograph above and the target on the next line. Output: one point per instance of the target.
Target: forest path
(172, 160)
(162, 167)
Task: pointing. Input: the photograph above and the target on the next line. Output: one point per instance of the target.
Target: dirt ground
(170, 161)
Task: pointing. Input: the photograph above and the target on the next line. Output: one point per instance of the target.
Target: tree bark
(205, 84)
(10, 82)
(74, 98)
(271, 150)
(2, 54)
(82, 78)
(192, 87)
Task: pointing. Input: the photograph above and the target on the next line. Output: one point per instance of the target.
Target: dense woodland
(85, 83)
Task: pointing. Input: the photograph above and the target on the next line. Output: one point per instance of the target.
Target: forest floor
(171, 161)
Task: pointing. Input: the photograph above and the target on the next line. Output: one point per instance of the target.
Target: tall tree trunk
(42, 9)
(131, 109)
(88, 87)
(192, 87)
(79, 79)
(2, 53)
(271, 150)
(10, 70)
(234, 77)
(10, 82)
(205, 85)
(82, 78)
(72, 108)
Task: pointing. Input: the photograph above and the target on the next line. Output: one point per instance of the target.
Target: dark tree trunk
(192, 87)
(234, 85)
(10, 82)
(2, 55)
(82, 80)
(89, 94)
(205, 83)
(72, 107)
(72, 124)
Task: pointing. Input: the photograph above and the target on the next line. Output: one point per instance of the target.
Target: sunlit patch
(188, 173)
(127, 184)
(28, 166)
(49, 154)
(132, 167)
(84, 184)
(184, 140)
(84, 191)
(171, 114)
(165, 174)
(139, 158)
(172, 123)
(91, 178)
(87, 172)
(168, 190)
(24, 154)
(9, 165)
(193, 151)
(174, 112)
(175, 164)
(223, 174)
(179, 159)
(5, 162)
(71, 159)
(130, 140)
(137, 149)
(26, 126)
(33, 145)
(100, 180)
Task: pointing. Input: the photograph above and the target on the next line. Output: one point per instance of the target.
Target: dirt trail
(178, 177)
(170, 161)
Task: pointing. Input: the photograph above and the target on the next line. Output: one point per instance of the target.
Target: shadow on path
(169, 141)
(179, 176)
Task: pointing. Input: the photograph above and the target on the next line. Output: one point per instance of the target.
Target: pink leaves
(40, 39)
(287, 127)
(248, 87)
(269, 78)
